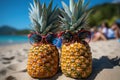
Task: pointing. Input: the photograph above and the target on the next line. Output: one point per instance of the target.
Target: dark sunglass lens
(82, 35)
(50, 38)
(35, 38)
(67, 36)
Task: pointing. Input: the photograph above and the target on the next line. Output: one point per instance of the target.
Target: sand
(106, 62)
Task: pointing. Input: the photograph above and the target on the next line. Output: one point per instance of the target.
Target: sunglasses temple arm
(29, 36)
(89, 34)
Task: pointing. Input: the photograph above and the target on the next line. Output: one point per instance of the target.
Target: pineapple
(43, 56)
(76, 57)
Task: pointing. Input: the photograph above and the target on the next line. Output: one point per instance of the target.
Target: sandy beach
(106, 62)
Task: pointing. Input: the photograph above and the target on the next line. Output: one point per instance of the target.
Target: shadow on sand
(103, 63)
(98, 65)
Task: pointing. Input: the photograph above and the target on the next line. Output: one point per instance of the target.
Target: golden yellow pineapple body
(76, 60)
(42, 61)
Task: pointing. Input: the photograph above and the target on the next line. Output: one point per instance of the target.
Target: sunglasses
(67, 36)
(80, 35)
(36, 37)
(84, 34)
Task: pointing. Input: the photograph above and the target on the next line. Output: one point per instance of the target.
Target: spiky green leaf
(49, 9)
(36, 26)
(74, 14)
(53, 16)
(65, 15)
(39, 6)
(71, 6)
(66, 8)
(78, 16)
(42, 17)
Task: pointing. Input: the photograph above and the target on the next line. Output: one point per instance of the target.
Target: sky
(14, 13)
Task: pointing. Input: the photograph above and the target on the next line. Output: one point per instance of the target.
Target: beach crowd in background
(106, 32)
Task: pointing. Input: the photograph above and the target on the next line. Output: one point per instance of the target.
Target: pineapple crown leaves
(43, 18)
(74, 16)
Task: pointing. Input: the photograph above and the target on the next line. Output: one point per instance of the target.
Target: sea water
(11, 39)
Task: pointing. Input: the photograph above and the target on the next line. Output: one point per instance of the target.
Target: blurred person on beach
(115, 30)
(104, 28)
(106, 33)
(112, 32)
(58, 43)
(96, 35)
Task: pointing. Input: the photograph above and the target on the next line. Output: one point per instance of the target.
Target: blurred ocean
(12, 39)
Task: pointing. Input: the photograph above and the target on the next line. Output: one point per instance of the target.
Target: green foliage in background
(106, 12)
(8, 30)
(23, 32)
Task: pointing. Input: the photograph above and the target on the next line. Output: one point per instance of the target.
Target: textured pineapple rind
(76, 60)
(42, 61)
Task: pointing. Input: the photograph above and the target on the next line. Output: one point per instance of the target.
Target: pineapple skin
(43, 61)
(76, 60)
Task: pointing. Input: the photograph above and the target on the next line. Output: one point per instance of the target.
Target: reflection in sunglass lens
(82, 35)
(50, 38)
(35, 38)
(67, 36)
